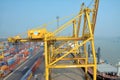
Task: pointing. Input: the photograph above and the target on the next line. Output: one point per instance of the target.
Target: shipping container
(10, 61)
(2, 63)
(6, 54)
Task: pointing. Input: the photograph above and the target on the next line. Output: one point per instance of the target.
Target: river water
(110, 49)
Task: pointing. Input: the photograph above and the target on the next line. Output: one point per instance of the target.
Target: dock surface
(60, 74)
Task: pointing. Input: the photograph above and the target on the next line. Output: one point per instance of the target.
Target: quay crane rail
(83, 26)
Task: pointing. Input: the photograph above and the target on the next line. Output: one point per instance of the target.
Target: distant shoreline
(3, 39)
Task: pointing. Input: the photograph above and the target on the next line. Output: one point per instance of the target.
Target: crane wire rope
(90, 3)
(45, 25)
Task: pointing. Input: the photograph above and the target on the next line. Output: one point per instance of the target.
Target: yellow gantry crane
(68, 48)
(85, 20)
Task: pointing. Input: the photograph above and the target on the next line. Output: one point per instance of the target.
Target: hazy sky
(17, 16)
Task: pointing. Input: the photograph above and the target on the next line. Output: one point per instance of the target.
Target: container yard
(46, 54)
(12, 56)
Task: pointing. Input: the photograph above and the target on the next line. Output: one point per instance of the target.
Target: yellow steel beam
(46, 60)
(86, 61)
(93, 48)
(65, 25)
(62, 44)
(72, 66)
(95, 62)
(74, 29)
(89, 23)
(66, 38)
(94, 16)
(69, 52)
(73, 58)
(84, 25)
(79, 20)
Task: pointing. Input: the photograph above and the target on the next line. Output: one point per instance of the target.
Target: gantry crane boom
(86, 37)
(94, 16)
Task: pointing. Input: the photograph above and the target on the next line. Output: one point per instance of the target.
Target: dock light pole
(57, 21)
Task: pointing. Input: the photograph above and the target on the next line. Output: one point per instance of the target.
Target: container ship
(105, 70)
